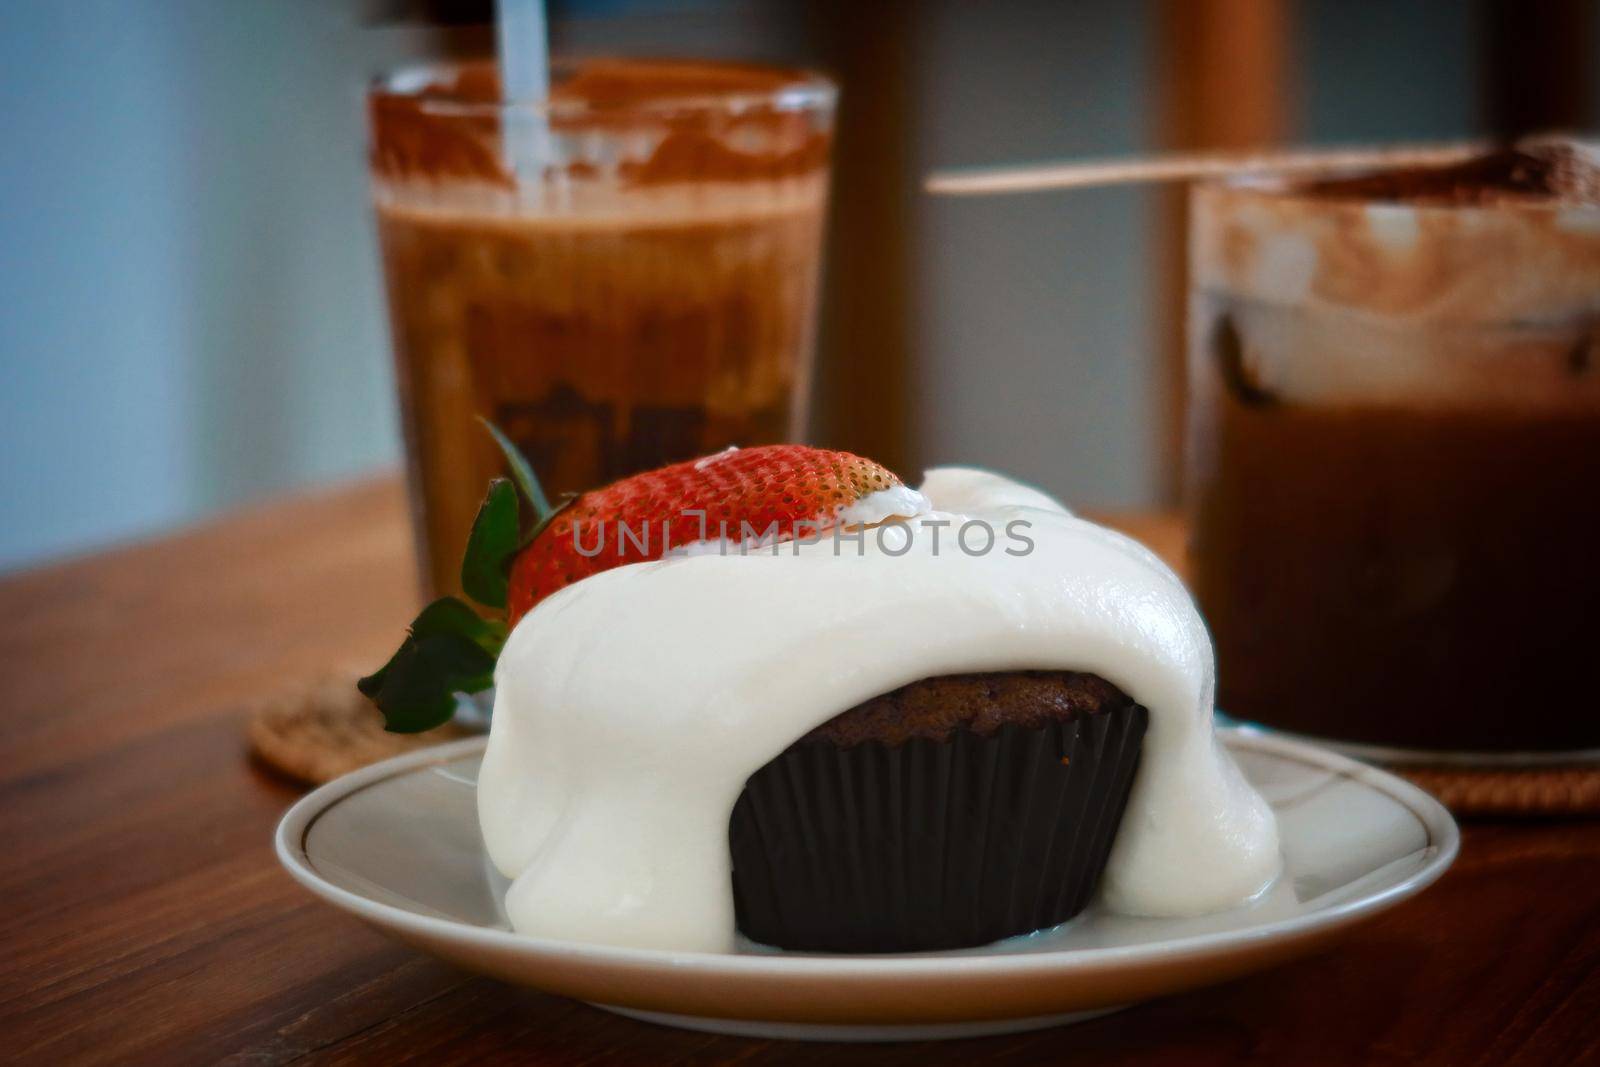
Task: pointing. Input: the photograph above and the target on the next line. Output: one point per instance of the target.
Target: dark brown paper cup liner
(931, 844)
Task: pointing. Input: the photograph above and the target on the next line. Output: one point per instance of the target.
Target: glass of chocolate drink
(620, 276)
(1394, 453)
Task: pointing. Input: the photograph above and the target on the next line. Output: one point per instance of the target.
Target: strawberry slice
(772, 492)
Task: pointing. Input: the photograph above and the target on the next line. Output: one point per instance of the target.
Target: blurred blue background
(193, 312)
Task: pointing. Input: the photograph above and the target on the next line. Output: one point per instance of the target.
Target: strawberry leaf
(539, 524)
(495, 537)
(521, 471)
(450, 649)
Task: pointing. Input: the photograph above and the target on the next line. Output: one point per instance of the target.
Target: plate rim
(1444, 837)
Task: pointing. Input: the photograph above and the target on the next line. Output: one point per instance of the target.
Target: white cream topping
(631, 706)
(897, 500)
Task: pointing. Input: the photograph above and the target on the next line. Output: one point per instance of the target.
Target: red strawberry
(783, 484)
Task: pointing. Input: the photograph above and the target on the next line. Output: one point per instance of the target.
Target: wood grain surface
(146, 920)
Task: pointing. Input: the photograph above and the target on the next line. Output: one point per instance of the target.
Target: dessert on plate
(779, 692)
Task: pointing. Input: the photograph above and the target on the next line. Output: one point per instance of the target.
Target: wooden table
(145, 918)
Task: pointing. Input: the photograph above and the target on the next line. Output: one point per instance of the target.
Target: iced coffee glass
(620, 276)
(1394, 458)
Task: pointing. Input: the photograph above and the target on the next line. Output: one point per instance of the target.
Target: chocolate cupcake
(951, 812)
(642, 688)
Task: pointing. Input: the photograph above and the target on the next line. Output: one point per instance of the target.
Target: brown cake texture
(934, 708)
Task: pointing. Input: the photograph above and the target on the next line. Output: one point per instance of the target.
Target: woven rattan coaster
(1502, 791)
(329, 729)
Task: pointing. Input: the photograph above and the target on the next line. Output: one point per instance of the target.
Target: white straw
(1188, 166)
(524, 80)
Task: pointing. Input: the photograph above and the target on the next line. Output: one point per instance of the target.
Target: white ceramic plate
(397, 844)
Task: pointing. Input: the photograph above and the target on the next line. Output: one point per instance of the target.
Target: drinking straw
(1188, 166)
(524, 83)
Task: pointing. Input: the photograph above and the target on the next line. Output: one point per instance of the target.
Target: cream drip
(630, 707)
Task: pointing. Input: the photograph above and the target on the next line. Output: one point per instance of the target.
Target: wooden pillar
(1224, 83)
(861, 392)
